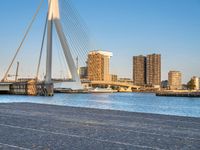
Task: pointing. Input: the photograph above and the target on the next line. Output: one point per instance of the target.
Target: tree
(191, 84)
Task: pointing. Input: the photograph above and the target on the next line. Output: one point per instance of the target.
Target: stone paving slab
(47, 127)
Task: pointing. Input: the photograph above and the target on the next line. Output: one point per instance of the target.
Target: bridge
(72, 40)
(120, 84)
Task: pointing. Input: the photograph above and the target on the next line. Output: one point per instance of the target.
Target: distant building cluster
(98, 68)
(174, 82)
(147, 70)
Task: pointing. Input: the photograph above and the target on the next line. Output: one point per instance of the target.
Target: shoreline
(194, 94)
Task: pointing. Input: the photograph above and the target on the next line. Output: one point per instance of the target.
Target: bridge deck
(33, 126)
(124, 84)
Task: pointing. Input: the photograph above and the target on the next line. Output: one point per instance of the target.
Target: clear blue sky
(125, 27)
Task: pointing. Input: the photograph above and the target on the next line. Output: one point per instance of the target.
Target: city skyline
(171, 28)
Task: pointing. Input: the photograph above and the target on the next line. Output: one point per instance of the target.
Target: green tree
(191, 84)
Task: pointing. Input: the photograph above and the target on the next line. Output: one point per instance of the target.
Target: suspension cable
(42, 45)
(75, 31)
(22, 42)
(41, 50)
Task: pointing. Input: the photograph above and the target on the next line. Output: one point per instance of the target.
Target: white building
(196, 82)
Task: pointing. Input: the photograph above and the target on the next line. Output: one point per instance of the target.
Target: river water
(132, 102)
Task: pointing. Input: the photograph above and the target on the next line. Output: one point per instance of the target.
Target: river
(132, 102)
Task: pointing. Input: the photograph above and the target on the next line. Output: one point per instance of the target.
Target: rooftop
(105, 53)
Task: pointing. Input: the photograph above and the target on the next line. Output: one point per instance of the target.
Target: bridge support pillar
(54, 18)
(49, 89)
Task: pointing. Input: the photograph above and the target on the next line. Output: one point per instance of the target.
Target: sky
(125, 27)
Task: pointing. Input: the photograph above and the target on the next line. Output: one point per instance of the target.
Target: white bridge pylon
(54, 18)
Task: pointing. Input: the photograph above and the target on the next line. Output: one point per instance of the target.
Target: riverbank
(35, 126)
(179, 93)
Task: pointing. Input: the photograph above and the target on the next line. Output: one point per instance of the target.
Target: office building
(139, 70)
(147, 70)
(174, 79)
(153, 70)
(99, 65)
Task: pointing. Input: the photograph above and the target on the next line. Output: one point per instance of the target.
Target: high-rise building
(147, 70)
(83, 72)
(174, 79)
(99, 65)
(153, 70)
(139, 70)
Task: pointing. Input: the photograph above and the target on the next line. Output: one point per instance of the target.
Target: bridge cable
(78, 40)
(73, 40)
(63, 63)
(22, 42)
(80, 24)
(42, 46)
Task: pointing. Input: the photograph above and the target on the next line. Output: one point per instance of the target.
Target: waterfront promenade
(25, 126)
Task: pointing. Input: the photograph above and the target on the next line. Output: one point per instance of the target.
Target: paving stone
(49, 127)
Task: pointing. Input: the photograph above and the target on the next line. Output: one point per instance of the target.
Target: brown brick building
(99, 65)
(147, 70)
(153, 69)
(139, 70)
